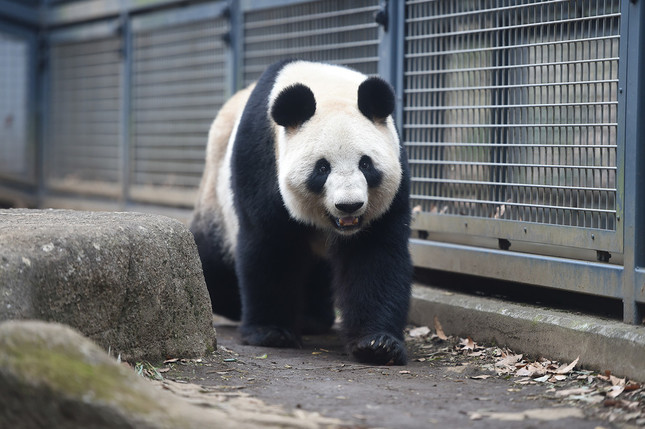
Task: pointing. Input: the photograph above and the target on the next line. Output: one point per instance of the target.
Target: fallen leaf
(264, 356)
(615, 391)
(632, 386)
(404, 372)
(481, 377)
(508, 360)
(565, 369)
(421, 331)
(439, 329)
(173, 360)
(162, 370)
(615, 381)
(467, 344)
(531, 370)
(542, 379)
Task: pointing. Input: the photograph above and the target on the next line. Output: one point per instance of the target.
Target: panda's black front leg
(270, 272)
(372, 278)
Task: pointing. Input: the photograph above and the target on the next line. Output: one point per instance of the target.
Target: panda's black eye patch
(318, 176)
(372, 175)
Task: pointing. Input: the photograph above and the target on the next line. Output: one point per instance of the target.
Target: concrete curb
(601, 344)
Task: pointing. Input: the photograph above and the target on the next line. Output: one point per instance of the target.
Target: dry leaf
(565, 369)
(615, 391)
(421, 331)
(508, 360)
(467, 344)
(404, 372)
(632, 386)
(439, 329)
(481, 377)
(173, 360)
(615, 381)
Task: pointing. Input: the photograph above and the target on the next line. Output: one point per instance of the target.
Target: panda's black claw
(379, 349)
(269, 336)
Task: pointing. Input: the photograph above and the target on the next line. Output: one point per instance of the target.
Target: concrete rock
(131, 282)
(53, 377)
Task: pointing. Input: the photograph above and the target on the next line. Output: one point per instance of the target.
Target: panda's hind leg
(319, 314)
(219, 270)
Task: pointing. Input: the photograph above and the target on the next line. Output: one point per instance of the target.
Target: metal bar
(513, 184)
(509, 106)
(518, 86)
(518, 230)
(639, 282)
(126, 107)
(510, 67)
(249, 25)
(590, 278)
(472, 32)
(494, 164)
(517, 46)
(632, 135)
(520, 145)
(477, 12)
(508, 203)
(250, 53)
(91, 10)
(310, 33)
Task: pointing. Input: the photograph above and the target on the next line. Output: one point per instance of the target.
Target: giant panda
(304, 207)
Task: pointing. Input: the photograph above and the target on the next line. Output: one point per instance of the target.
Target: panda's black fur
(285, 288)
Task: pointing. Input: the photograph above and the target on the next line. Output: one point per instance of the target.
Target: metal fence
(521, 118)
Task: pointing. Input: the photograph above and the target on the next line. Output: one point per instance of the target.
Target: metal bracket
(381, 17)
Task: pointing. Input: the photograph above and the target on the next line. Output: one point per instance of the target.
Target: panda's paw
(269, 336)
(379, 349)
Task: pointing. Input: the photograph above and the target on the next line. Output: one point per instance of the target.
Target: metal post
(236, 46)
(632, 92)
(125, 29)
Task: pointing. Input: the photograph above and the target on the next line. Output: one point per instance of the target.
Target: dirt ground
(450, 383)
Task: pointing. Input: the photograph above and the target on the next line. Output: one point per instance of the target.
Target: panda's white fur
(338, 132)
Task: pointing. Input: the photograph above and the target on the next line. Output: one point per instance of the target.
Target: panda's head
(337, 152)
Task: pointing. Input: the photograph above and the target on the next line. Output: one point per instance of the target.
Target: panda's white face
(339, 173)
(338, 162)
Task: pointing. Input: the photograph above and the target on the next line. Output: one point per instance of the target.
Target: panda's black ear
(293, 106)
(375, 99)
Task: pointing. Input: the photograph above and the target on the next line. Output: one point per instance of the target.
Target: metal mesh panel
(510, 109)
(334, 31)
(84, 116)
(179, 75)
(14, 59)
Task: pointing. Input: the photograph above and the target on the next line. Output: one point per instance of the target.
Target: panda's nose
(349, 208)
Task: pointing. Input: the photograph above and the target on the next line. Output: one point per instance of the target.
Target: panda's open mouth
(347, 223)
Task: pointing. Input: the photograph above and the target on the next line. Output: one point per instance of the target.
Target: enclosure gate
(521, 118)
